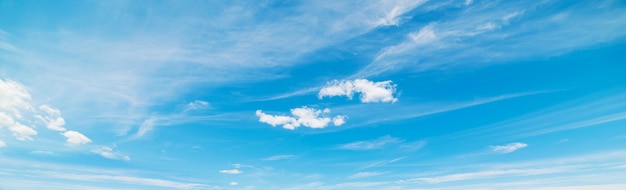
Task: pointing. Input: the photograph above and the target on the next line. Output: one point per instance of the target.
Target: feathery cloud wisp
(508, 148)
(231, 172)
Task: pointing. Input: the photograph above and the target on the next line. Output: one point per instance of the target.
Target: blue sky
(402, 94)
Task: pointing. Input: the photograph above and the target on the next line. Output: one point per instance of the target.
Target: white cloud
(484, 174)
(370, 91)
(364, 175)
(373, 144)
(280, 157)
(109, 153)
(74, 137)
(392, 17)
(467, 2)
(424, 35)
(197, 105)
(231, 172)
(507, 148)
(14, 97)
(5, 120)
(339, 120)
(2, 144)
(22, 132)
(233, 183)
(305, 116)
(53, 120)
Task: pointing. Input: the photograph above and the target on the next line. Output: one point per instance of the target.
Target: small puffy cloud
(22, 132)
(109, 153)
(373, 144)
(280, 157)
(197, 105)
(53, 119)
(231, 172)
(303, 116)
(76, 138)
(233, 183)
(2, 144)
(371, 92)
(508, 148)
(339, 120)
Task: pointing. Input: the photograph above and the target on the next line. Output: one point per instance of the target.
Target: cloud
(487, 33)
(22, 132)
(280, 157)
(109, 153)
(233, 183)
(197, 105)
(484, 174)
(364, 175)
(231, 172)
(53, 120)
(305, 116)
(371, 92)
(507, 148)
(76, 138)
(14, 98)
(2, 144)
(146, 126)
(373, 144)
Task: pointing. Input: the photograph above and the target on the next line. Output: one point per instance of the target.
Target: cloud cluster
(371, 92)
(16, 109)
(303, 116)
(508, 148)
(53, 119)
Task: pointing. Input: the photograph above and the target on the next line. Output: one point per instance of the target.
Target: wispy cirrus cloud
(485, 33)
(110, 153)
(232, 172)
(280, 157)
(508, 148)
(373, 144)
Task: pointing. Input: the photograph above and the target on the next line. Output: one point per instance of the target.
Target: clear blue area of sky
(200, 94)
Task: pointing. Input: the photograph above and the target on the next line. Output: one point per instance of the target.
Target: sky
(406, 94)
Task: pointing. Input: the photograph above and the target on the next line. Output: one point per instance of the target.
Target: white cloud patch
(197, 105)
(424, 35)
(53, 120)
(233, 183)
(109, 153)
(76, 138)
(22, 132)
(373, 144)
(508, 148)
(364, 175)
(2, 144)
(231, 172)
(280, 157)
(370, 91)
(14, 98)
(303, 116)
